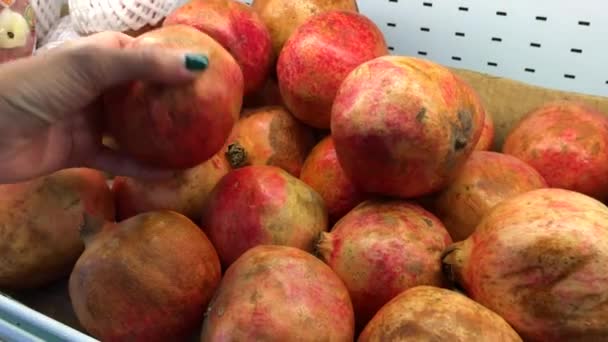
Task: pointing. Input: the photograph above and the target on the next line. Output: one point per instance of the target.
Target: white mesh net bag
(60, 33)
(92, 16)
(48, 13)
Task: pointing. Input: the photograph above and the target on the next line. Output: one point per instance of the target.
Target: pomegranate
(148, 278)
(177, 126)
(486, 140)
(323, 173)
(269, 136)
(427, 313)
(409, 120)
(539, 260)
(279, 293)
(238, 28)
(39, 224)
(381, 248)
(186, 192)
(567, 142)
(486, 179)
(319, 55)
(283, 17)
(262, 205)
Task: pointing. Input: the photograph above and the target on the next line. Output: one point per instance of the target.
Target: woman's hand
(50, 108)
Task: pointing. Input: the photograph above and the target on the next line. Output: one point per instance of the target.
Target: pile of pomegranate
(325, 190)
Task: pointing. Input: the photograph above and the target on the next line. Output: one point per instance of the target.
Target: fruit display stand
(516, 54)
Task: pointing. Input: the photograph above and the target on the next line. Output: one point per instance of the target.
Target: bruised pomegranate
(177, 126)
(269, 136)
(283, 17)
(238, 28)
(381, 248)
(486, 179)
(426, 313)
(486, 140)
(322, 171)
(279, 293)
(319, 55)
(404, 126)
(39, 221)
(259, 205)
(567, 142)
(539, 260)
(148, 278)
(186, 192)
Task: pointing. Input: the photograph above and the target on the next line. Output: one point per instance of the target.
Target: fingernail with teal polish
(196, 62)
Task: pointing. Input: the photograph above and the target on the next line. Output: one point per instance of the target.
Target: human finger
(109, 67)
(107, 39)
(118, 164)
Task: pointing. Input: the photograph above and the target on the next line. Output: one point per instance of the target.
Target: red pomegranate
(283, 17)
(319, 55)
(567, 142)
(404, 126)
(185, 192)
(322, 171)
(381, 248)
(279, 293)
(148, 278)
(238, 28)
(486, 179)
(262, 205)
(427, 313)
(539, 260)
(177, 126)
(269, 136)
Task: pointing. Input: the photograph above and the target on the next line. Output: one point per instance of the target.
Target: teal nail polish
(195, 62)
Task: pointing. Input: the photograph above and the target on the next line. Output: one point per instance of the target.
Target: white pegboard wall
(557, 44)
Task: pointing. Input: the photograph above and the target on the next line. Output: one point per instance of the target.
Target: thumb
(155, 64)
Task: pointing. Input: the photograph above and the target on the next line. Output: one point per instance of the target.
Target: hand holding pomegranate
(49, 105)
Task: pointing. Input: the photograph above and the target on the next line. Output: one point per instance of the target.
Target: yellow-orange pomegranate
(269, 136)
(39, 222)
(427, 314)
(539, 260)
(486, 179)
(147, 278)
(279, 293)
